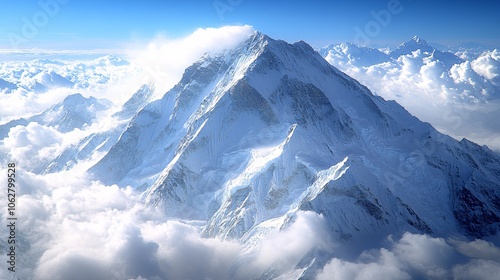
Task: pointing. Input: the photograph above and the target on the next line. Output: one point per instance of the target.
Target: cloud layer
(460, 100)
(73, 228)
(164, 59)
(31, 86)
(42, 83)
(416, 256)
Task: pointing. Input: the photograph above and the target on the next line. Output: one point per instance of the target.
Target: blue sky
(78, 24)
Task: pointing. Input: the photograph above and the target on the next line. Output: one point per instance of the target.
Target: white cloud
(479, 249)
(460, 101)
(164, 59)
(284, 249)
(61, 73)
(73, 225)
(43, 83)
(477, 269)
(33, 144)
(386, 268)
(488, 65)
(427, 256)
(416, 256)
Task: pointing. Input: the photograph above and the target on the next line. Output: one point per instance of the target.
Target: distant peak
(305, 46)
(418, 40)
(415, 43)
(72, 97)
(77, 99)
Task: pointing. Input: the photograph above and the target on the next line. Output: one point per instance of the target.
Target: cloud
(386, 268)
(461, 100)
(76, 228)
(76, 225)
(479, 249)
(33, 144)
(164, 59)
(488, 66)
(284, 249)
(477, 269)
(44, 82)
(72, 225)
(417, 256)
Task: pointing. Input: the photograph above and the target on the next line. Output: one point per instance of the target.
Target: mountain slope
(6, 86)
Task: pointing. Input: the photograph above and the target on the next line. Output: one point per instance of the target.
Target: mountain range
(254, 135)
(422, 66)
(269, 128)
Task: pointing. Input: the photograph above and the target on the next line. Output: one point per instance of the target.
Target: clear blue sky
(86, 24)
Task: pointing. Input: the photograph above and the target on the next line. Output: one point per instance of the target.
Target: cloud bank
(416, 256)
(79, 229)
(73, 228)
(461, 100)
(41, 83)
(165, 59)
(31, 86)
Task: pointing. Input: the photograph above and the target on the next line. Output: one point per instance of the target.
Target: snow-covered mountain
(41, 75)
(75, 111)
(251, 136)
(6, 86)
(100, 141)
(417, 65)
(264, 159)
(138, 100)
(448, 59)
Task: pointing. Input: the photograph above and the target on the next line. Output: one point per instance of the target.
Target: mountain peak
(74, 99)
(415, 43)
(266, 129)
(418, 40)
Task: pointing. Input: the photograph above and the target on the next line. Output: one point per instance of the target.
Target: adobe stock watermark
(31, 26)
(381, 19)
(223, 6)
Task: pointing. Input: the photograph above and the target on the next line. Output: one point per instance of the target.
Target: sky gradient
(78, 24)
